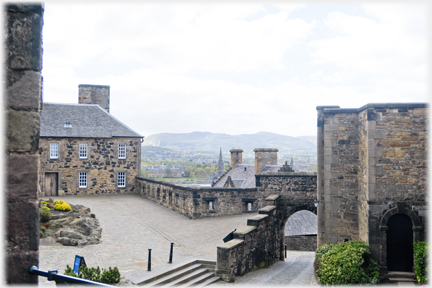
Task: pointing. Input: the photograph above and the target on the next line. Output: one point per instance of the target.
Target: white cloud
(184, 67)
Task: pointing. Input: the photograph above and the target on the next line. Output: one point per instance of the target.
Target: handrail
(60, 278)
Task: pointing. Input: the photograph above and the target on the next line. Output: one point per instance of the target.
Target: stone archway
(405, 214)
(284, 213)
(301, 231)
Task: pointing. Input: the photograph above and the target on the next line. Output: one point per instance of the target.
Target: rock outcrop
(76, 227)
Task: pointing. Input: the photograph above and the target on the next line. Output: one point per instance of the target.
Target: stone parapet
(258, 245)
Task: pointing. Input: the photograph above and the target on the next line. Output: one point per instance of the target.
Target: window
(121, 179)
(210, 205)
(82, 179)
(53, 150)
(83, 151)
(122, 151)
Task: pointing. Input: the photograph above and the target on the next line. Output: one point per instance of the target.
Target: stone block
(17, 265)
(22, 177)
(22, 131)
(24, 36)
(22, 222)
(25, 92)
(330, 128)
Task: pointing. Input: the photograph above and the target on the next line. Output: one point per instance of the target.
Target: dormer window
(68, 125)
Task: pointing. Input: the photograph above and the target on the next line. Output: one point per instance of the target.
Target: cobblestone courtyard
(132, 224)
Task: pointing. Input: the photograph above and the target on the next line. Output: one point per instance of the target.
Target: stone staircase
(407, 278)
(196, 273)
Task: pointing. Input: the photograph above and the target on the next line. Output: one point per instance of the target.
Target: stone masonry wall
(372, 164)
(301, 243)
(397, 167)
(23, 61)
(102, 165)
(295, 189)
(341, 165)
(194, 202)
(257, 245)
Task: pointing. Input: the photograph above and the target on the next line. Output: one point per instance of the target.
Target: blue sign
(79, 261)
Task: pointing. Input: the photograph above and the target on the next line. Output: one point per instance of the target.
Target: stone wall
(372, 163)
(301, 242)
(297, 191)
(23, 59)
(257, 245)
(195, 202)
(102, 165)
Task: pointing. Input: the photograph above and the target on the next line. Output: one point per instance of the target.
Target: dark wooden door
(51, 180)
(399, 243)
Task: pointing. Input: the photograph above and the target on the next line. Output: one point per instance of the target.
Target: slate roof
(87, 120)
(271, 168)
(240, 177)
(301, 223)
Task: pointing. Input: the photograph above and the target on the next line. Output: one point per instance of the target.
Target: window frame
(79, 179)
(121, 152)
(121, 178)
(56, 145)
(86, 150)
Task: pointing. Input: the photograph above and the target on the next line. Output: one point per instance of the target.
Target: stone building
(372, 178)
(84, 149)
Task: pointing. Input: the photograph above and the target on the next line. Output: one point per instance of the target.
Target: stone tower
(94, 94)
(263, 157)
(236, 157)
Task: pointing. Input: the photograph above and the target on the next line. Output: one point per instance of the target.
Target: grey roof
(240, 177)
(271, 168)
(301, 223)
(87, 120)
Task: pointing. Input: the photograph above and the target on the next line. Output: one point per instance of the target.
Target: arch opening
(400, 243)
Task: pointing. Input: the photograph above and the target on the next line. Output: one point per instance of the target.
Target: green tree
(200, 172)
(208, 171)
(188, 171)
(168, 172)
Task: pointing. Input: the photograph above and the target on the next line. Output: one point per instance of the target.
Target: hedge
(421, 261)
(346, 263)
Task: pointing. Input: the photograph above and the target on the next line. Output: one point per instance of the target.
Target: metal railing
(53, 275)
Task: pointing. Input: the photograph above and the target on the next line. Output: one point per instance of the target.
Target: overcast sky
(235, 68)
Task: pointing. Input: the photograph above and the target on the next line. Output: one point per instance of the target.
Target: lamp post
(316, 202)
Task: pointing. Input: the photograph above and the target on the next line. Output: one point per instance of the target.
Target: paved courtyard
(132, 224)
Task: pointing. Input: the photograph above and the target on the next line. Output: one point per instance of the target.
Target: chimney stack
(236, 157)
(94, 94)
(263, 157)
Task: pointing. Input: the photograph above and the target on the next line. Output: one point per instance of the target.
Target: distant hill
(207, 141)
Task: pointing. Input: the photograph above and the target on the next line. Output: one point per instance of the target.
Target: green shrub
(45, 216)
(110, 276)
(51, 201)
(321, 250)
(347, 263)
(420, 261)
(45, 208)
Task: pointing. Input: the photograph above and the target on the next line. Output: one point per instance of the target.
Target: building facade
(372, 178)
(85, 150)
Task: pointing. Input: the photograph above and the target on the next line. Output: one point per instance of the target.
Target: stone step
(174, 276)
(142, 279)
(401, 277)
(188, 277)
(202, 279)
(208, 282)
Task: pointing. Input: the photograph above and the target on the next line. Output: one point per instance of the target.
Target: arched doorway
(300, 231)
(400, 243)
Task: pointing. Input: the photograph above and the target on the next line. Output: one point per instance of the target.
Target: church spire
(220, 163)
